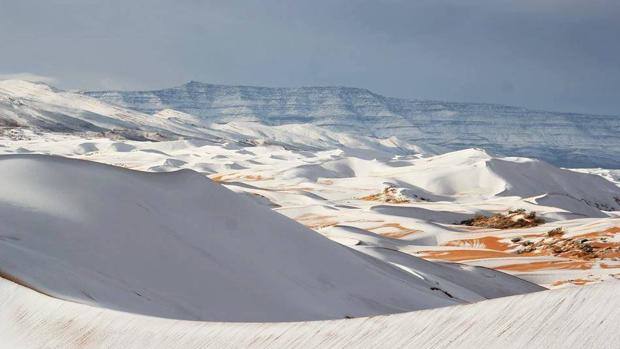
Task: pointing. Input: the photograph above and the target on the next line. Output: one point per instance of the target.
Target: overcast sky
(547, 54)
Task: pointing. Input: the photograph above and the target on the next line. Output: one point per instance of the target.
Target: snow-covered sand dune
(174, 244)
(368, 191)
(178, 245)
(584, 317)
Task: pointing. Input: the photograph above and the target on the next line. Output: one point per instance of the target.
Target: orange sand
(490, 242)
(463, 255)
(547, 265)
(399, 233)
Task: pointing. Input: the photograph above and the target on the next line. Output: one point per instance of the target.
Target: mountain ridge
(564, 139)
(343, 87)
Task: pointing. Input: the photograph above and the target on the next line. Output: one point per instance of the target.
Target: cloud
(119, 83)
(29, 77)
(544, 54)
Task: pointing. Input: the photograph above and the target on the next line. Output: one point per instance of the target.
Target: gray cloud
(548, 54)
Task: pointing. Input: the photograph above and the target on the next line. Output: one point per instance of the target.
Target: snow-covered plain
(157, 243)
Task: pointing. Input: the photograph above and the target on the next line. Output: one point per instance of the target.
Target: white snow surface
(42, 107)
(178, 245)
(584, 317)
(174, 244)
(564, 139)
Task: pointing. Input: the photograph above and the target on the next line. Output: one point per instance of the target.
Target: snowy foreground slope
(178, 245)
(585, 317)
(564, 139)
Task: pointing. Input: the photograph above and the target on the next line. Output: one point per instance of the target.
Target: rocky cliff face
(565, 139)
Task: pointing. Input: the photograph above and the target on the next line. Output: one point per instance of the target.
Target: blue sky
(546, 54)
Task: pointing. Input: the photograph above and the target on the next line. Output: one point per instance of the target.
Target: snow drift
(473, 173)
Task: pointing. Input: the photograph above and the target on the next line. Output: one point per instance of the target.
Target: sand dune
(178, 245)
(584, 317)
(103, 208)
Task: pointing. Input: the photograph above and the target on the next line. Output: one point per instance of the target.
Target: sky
(561, 55)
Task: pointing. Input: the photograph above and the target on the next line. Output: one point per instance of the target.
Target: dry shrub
(510, 220)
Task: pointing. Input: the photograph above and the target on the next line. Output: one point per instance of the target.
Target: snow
(563, 139)
(178, 245)
(584, 317)
(39, 105)
(152, 235)
(324, 189)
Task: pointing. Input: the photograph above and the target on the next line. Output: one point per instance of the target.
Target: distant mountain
(564, 139)
(42, 108)
(38, 106)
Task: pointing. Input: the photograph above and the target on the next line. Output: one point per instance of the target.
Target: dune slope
(178, 245)
(584, 317)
